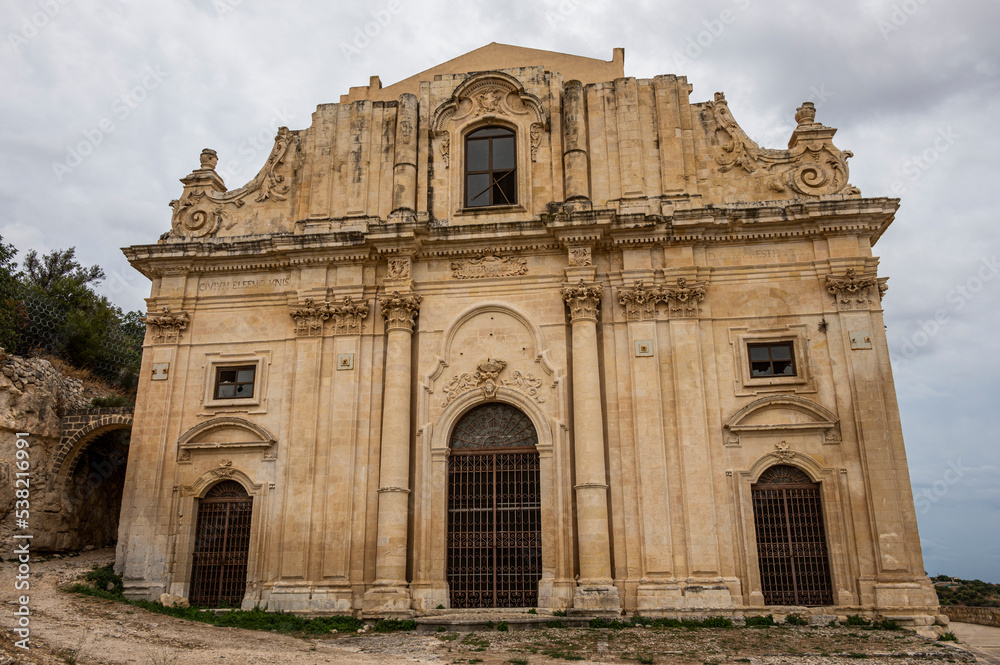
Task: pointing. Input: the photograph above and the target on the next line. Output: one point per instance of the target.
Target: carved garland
(486, 378)
(682, 302)
(166, 326)
(856, 292)
(347, 316)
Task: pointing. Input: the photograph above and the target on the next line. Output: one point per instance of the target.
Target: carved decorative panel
(489, 264)
(494, 425)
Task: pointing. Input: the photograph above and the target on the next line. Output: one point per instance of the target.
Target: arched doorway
(791, 541)
(494, 509)
(222, 546)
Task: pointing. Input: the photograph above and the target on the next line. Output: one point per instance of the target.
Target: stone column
(391, 593)
(404, 171)
(575, 160)
(595, 590)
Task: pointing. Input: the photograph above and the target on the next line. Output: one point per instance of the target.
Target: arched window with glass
(490, 167)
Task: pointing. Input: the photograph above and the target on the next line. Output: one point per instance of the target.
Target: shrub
(856, 620)
(948, 637)
(393, 625)
(760, 622)
(796, 620)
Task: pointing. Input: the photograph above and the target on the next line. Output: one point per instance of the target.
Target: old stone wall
(984, 616)
(34, 396)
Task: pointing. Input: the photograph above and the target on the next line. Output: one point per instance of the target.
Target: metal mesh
(34, 322)
(222, 546)
(791, 543)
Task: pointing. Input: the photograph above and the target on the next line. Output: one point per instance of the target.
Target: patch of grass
(690, 624)
(886, 624)
(450, 637)
(556, 623)
(855, 654)
(532, 611)
(559, 613)
(503, 627)
(518, 661)
(796, 620)
(613, 624)
(856, 620)
(393, 625)
(760, 622)
(104, 578)
(948, 637)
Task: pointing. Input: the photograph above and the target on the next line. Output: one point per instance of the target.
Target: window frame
(511, 173)
(769, 345)
(217, 383)
(218, 362)
(746, 385)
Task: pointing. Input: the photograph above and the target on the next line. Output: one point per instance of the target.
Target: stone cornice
(603, 228)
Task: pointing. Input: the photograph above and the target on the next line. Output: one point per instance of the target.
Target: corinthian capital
(584, 301)
(400, 310)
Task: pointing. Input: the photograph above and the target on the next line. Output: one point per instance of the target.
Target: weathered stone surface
(651, 243)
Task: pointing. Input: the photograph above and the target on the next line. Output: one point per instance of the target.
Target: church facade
(521, 331)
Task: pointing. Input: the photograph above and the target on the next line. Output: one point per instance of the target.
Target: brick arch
(80, 429)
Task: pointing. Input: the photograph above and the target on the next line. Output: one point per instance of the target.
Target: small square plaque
(861, 339)
(643, 348)
(160, 371)
(345, 361)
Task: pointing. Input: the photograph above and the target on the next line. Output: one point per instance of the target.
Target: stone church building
(521, 331)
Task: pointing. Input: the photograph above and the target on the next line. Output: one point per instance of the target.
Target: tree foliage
(51, 306)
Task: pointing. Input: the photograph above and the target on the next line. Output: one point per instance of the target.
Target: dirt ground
(67, 628)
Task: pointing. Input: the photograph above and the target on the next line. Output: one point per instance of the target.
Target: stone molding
(583, 300)
(853, 291)
(400, 311)
(347, 316)
(640, 303)
(166, 327)
(820, 419)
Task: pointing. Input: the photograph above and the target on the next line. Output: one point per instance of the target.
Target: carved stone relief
(853, 291)
(489, 264)
(640, 303)
(166, 327)
(400, 311)
(583, 300)
(486, 378)
(580, 256)
(812, 165)
(347, 316)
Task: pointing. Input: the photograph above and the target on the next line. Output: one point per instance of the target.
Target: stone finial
(805, 114)
(209, 158)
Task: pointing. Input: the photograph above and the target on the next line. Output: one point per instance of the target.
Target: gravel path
(67, 628)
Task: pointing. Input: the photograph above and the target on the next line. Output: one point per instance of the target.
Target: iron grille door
(494, 510)
(791, 543)
(222, 546)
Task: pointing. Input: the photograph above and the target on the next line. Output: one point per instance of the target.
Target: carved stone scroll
(486, 378)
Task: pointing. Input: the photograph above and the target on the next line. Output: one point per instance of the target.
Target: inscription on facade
(244, 285)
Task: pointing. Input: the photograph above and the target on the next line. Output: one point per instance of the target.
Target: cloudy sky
(107, 104)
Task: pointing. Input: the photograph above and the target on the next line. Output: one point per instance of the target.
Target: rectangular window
(771, 359)
(235, 382)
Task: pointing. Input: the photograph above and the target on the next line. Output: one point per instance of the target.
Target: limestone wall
(33, 397)
(984, 616)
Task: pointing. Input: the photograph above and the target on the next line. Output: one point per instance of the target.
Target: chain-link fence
(95, 338)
